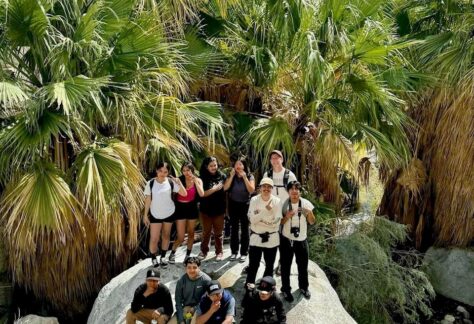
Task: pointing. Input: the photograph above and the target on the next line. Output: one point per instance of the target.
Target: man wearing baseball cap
(217, 306)
(152, 301)
(263, 305)
(264, 217)
(279, 174)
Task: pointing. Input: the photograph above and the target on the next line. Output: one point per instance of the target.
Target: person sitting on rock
(152, 301)
(189, 290)
(263, 305)
(217, 306)
(298, 213)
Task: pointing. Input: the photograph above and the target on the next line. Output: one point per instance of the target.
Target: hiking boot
(201, 256)
(219, 257)
(233, 257)
(306, 294)
(171, 259)
(288, 296)
(243, 258)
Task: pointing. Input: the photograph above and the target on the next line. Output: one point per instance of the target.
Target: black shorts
(186, 210)
(153, 220)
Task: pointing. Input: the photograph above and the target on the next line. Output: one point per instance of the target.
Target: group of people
(276, 218)
(202, 300)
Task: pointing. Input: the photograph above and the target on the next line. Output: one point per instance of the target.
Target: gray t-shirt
(238, 191)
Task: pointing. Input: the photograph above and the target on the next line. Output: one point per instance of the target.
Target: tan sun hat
(266, 181)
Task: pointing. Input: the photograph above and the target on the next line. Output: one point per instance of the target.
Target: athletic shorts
(154, 220)
(186, 211)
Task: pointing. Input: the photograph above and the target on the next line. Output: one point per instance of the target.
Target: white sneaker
(233, 257)
(220, 257)
(243, 258)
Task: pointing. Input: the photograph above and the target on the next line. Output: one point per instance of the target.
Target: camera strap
(300, 210)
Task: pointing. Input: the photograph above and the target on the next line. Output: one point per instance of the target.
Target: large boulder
(324, 306)
(35, 319)
(451, 272)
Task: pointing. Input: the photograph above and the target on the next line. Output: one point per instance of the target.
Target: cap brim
(152, 278)
(215, 292)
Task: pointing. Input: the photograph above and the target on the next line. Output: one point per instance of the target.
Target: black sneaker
(288, 296)
(171, 259)
(278, 270)
(163, 263)
(306, 294)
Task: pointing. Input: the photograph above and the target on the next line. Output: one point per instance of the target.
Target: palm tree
(92, 93)
(334, 66)
(434, 194)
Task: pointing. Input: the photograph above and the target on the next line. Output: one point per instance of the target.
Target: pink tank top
(191, 194)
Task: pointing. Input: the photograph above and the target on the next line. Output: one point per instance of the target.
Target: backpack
(286, 177)
(173, 195)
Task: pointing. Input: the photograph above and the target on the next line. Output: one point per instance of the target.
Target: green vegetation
(373, 287)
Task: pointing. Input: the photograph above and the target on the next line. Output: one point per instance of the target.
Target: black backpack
(173, 195)
(286, 177)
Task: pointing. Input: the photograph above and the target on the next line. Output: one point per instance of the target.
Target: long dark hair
(188, 165)
(204, 172)
(163, 165)
(234, 158)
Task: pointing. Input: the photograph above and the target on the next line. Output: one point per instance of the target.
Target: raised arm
(199, 186)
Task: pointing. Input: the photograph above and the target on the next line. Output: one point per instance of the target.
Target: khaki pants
(146, 316)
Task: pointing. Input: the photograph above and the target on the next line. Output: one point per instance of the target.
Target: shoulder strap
(152, 182)
(172, 188)
(286, 206)
(270, 174)
(286, 177)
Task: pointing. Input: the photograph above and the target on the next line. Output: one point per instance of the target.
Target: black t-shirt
(214, 204)
(161, 298)
(270, 311)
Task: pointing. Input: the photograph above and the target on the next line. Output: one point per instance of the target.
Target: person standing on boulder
(212, 207)
(263, 305)
(264, 216)
(217, 306)
(239, 185)
(189, 290)
(297, 214)
(280, 176)
(159, 209)
(187, 211)
(152, 301)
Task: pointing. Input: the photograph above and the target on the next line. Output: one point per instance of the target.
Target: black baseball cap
(266, 284)
(153, 274)
(214, 287)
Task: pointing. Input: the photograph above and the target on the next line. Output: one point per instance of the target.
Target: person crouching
(151, 301)
(263, 305)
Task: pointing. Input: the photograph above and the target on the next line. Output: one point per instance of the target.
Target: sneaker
(201, 256)
(220, 257)
(154, 261)
(171, 259)
(278, 270)
(306, 294)
(233, 257)
(288, 296)
(243, 258)
(163, 263)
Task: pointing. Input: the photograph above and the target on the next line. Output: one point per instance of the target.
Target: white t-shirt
(279, 189)
(162, 206)
(295, 221)
(263, 220)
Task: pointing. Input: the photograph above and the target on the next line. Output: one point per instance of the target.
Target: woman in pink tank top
(186, 209)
